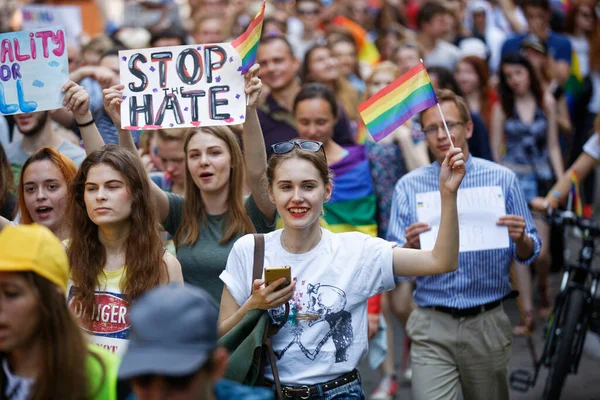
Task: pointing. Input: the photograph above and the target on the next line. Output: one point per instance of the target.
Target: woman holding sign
(333, 274)
(213, 214)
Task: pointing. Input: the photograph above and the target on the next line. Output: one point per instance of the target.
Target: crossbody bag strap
(259, 257)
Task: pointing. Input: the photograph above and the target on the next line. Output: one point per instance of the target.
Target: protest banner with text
(33, 68)
(182, 86)
(36, 16)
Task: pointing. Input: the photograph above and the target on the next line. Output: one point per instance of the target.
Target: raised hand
(76, 100)
(112, 98)
(453, 170)
(253, 86)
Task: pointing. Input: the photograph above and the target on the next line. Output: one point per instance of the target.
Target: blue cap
(173, 332)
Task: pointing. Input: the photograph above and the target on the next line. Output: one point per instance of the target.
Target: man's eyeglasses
(287, 146)
(452, 127)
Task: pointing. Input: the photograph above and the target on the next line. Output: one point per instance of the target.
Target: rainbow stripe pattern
(353, 205)
(577, 207)
(396, 103)
(247, 43)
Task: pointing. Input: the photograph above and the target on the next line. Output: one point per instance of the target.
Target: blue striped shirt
(481, 276)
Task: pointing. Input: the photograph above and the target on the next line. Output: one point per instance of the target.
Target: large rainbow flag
(247, 43)
(396, 103)
(353, 205)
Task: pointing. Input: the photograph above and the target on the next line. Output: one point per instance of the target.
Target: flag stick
(445, 126)
(442, 114)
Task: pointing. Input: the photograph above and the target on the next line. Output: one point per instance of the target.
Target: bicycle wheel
(565, 346)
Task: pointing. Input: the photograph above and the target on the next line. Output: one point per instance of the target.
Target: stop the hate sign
(182, 86)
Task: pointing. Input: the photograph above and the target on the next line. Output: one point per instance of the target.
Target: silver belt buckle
(307, 392)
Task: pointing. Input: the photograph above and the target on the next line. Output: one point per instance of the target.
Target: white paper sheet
(478, 211)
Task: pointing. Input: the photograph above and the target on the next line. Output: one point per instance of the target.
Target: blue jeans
(350, 391)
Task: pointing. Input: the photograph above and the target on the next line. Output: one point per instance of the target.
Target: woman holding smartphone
(333, 274)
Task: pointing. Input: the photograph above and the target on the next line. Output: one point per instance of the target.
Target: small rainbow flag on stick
(398, 102)
(577, 207)
(247, 43)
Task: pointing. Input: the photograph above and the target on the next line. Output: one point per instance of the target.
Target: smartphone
(274, 273)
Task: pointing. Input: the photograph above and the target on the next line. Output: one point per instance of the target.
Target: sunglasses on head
(287, 146)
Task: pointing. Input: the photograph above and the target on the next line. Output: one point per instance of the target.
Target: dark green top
(203, 262)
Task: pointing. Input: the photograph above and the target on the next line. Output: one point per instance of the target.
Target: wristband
(86, 124)
(556, 194)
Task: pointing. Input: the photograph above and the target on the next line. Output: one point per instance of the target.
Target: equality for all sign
(33, 68)
(478, 211)
(182, 86)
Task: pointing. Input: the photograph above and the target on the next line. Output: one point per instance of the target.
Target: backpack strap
(259, 257)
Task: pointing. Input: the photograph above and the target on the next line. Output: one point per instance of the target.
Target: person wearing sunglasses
(333, 274)
(468, 344)
(308, 12)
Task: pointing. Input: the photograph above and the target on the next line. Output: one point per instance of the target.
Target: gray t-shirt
(17, 156)
(444, 54)
(203, 262)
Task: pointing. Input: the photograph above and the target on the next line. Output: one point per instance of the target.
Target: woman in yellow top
(42, 351)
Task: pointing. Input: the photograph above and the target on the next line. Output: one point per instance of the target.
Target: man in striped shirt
(460, 332)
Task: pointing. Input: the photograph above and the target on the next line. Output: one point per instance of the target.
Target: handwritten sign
(478, 211)
(33, 68)
(43, 16)
(182, 86)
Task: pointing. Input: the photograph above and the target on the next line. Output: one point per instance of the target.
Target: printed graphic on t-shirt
(315, 304)
(110, 323)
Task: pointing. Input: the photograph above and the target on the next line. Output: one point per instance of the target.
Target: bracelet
(556, 194)
(87, 123)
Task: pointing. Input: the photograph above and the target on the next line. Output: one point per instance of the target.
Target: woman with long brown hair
(115, 251)
(42, 350)
(214, 213)
(473, 78)
(320, 66)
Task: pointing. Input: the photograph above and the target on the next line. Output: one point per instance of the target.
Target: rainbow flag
(574, 84)
(247, 43)
(353, 205)
(577, 207)
(396, 103)
(367, 51)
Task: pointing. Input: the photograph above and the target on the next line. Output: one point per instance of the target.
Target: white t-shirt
(326, 332)
(592, 146)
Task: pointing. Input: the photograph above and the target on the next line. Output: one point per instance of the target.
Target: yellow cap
(34, 248)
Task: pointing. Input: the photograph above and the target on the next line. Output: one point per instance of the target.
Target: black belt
(467, 312)
(305, 392)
